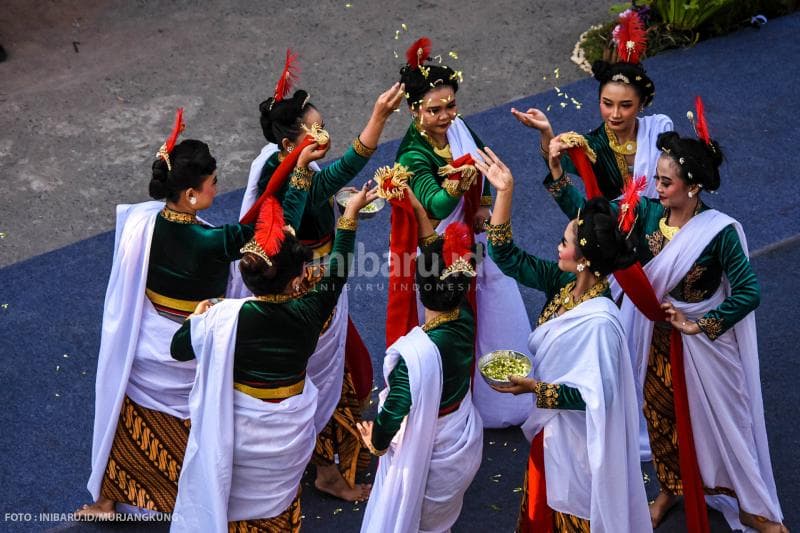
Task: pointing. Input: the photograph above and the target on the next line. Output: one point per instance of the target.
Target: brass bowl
(368, 211)
(484, 361)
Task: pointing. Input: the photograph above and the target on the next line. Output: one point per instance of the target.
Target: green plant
(687, 15)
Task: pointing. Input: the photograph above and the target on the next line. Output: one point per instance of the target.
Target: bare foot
(330, 481)
(761, 524)
(102, 509)
(661, 506)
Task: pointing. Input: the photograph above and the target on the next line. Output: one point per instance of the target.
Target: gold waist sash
(279, 393)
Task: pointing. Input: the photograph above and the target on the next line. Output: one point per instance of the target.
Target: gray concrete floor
(90, 87)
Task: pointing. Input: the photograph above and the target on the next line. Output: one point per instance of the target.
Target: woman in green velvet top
(276, 333)
(284, 122)
(183, 261)
(590, 249)
(432, 150)
(713, 295)
(457, 439)
(625, 143)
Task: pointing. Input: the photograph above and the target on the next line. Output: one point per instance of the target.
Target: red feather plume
(701, 126)
(418, 52)
(631, 195)
(269, 232)
(631, 37)
(289, 75)
(176, 130)
(457, 242)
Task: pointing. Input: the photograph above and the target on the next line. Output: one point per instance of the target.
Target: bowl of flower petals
(496, 366)
(368, 211)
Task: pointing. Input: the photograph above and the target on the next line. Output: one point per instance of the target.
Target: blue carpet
(49, 329)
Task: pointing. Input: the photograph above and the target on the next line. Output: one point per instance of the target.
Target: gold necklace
(569, 302)
(438, 320)
(666, 230)
(178, 216)
(276, 298)
(629, 148)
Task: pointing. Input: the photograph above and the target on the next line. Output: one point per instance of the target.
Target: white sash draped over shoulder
(591, 457)
(431, 461)
(245, 456)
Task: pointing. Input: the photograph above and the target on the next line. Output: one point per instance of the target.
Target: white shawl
(591, 460)
(501, 315)
(646, 159)
(722, 377)
(245, 457)
(395, 504)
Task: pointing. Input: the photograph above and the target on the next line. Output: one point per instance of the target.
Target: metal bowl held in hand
(496, 366)
(368, 211)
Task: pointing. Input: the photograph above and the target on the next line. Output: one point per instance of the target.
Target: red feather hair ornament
(631, 37)
(418, 52)
(289, 75)
(457, 243)
(269, 232)
(631, 195)
(701, 126)
(176, 130)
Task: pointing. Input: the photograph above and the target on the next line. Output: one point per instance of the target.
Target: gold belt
(171, 303)
(279, 393)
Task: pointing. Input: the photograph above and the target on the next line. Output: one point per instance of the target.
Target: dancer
(624, 145)
(584, 464)
(166, 260)
(341, 367)
(252, 407)
(438, 151)
(428, 467)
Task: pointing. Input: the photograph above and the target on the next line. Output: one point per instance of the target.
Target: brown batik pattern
(286, 522)
(659, 411)
(145, 459)
(340, 436)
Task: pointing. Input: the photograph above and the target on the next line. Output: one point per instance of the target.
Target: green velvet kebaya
(418, 156)
(723, 255)
(190, 260)
(452, 333)
(317, 216)
(276, 334)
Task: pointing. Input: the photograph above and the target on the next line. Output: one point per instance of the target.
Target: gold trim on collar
(276, 298)
(667, 231)
(438, 320)
(178, 216)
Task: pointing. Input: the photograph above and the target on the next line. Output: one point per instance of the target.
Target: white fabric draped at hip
(722, 378)
(591, 460)
(501, 318)
(396, 501)
(245, 457)
(134, 355)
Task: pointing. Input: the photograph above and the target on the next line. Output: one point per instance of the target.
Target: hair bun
(158, 188)
(601, 70)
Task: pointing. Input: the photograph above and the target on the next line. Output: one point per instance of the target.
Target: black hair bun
(698, 162)
(417, 84)
(280, 120)
(601, 70)
(158, 183)
(605, 246)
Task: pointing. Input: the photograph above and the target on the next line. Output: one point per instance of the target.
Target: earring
(581, 267)
(289, 149)
(691, 194)
(192, 200)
